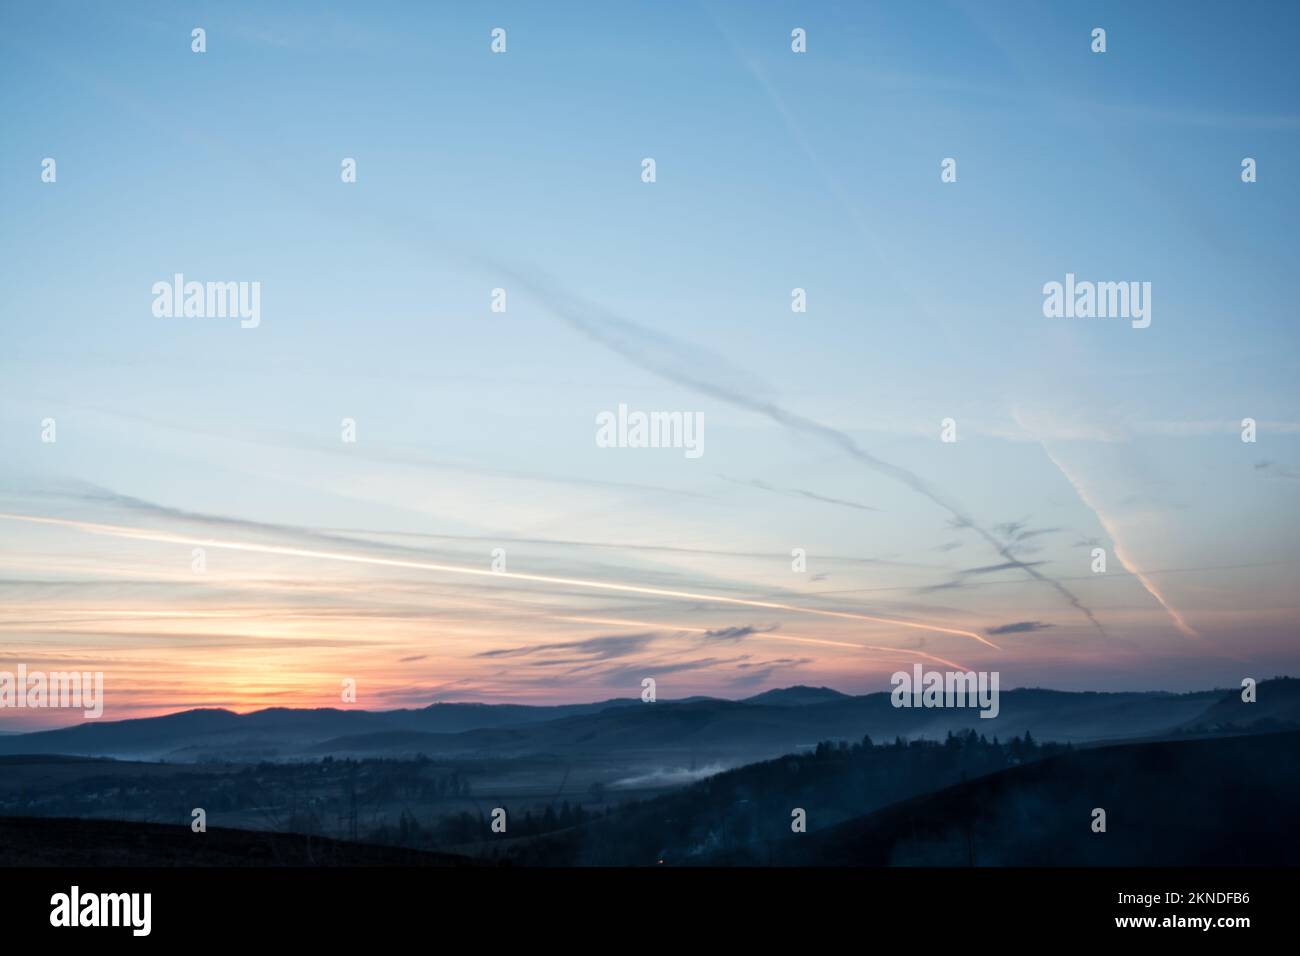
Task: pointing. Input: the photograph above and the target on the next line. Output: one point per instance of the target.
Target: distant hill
(707, 729)
(273, 732)
(735, 732)
(36, 841)
(797, 696)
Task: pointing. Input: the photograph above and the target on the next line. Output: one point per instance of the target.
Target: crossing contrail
(145, 534)
(621, 622)
(1124, 558)
(660, 355)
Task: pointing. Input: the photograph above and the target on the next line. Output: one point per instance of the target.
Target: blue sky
(775, 170)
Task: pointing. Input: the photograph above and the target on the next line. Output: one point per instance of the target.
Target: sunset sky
(328, 560)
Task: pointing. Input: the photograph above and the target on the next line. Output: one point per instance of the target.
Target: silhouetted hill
(33, 841)
(797, 696)
(1223, 801)
(1213, 801)
(743, 731)
(1277, 707)
(273, 732)
(724, 731)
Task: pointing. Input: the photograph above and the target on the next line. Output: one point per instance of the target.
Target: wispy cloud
(1019, 627)
(1272, 468)
(146, 534)
(1121, 552)
(596, 648)
(801, 493)
(663, 356)
(737, 633)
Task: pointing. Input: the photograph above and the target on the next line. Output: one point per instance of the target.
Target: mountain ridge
(767, 724)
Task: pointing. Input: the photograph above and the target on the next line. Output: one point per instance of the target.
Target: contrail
(773, 634)
(632, 342)
(570, 309)
(799, 493)
(144, 534)
(833, 183)
(1179, 622)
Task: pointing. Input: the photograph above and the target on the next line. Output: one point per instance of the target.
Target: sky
(323, 560)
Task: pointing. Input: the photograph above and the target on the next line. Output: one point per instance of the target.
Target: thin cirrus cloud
(665, 357)
(146, 534)
(801, 493)
(595, 648)
(476, 426)
(276, 618)
(1018, 627)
